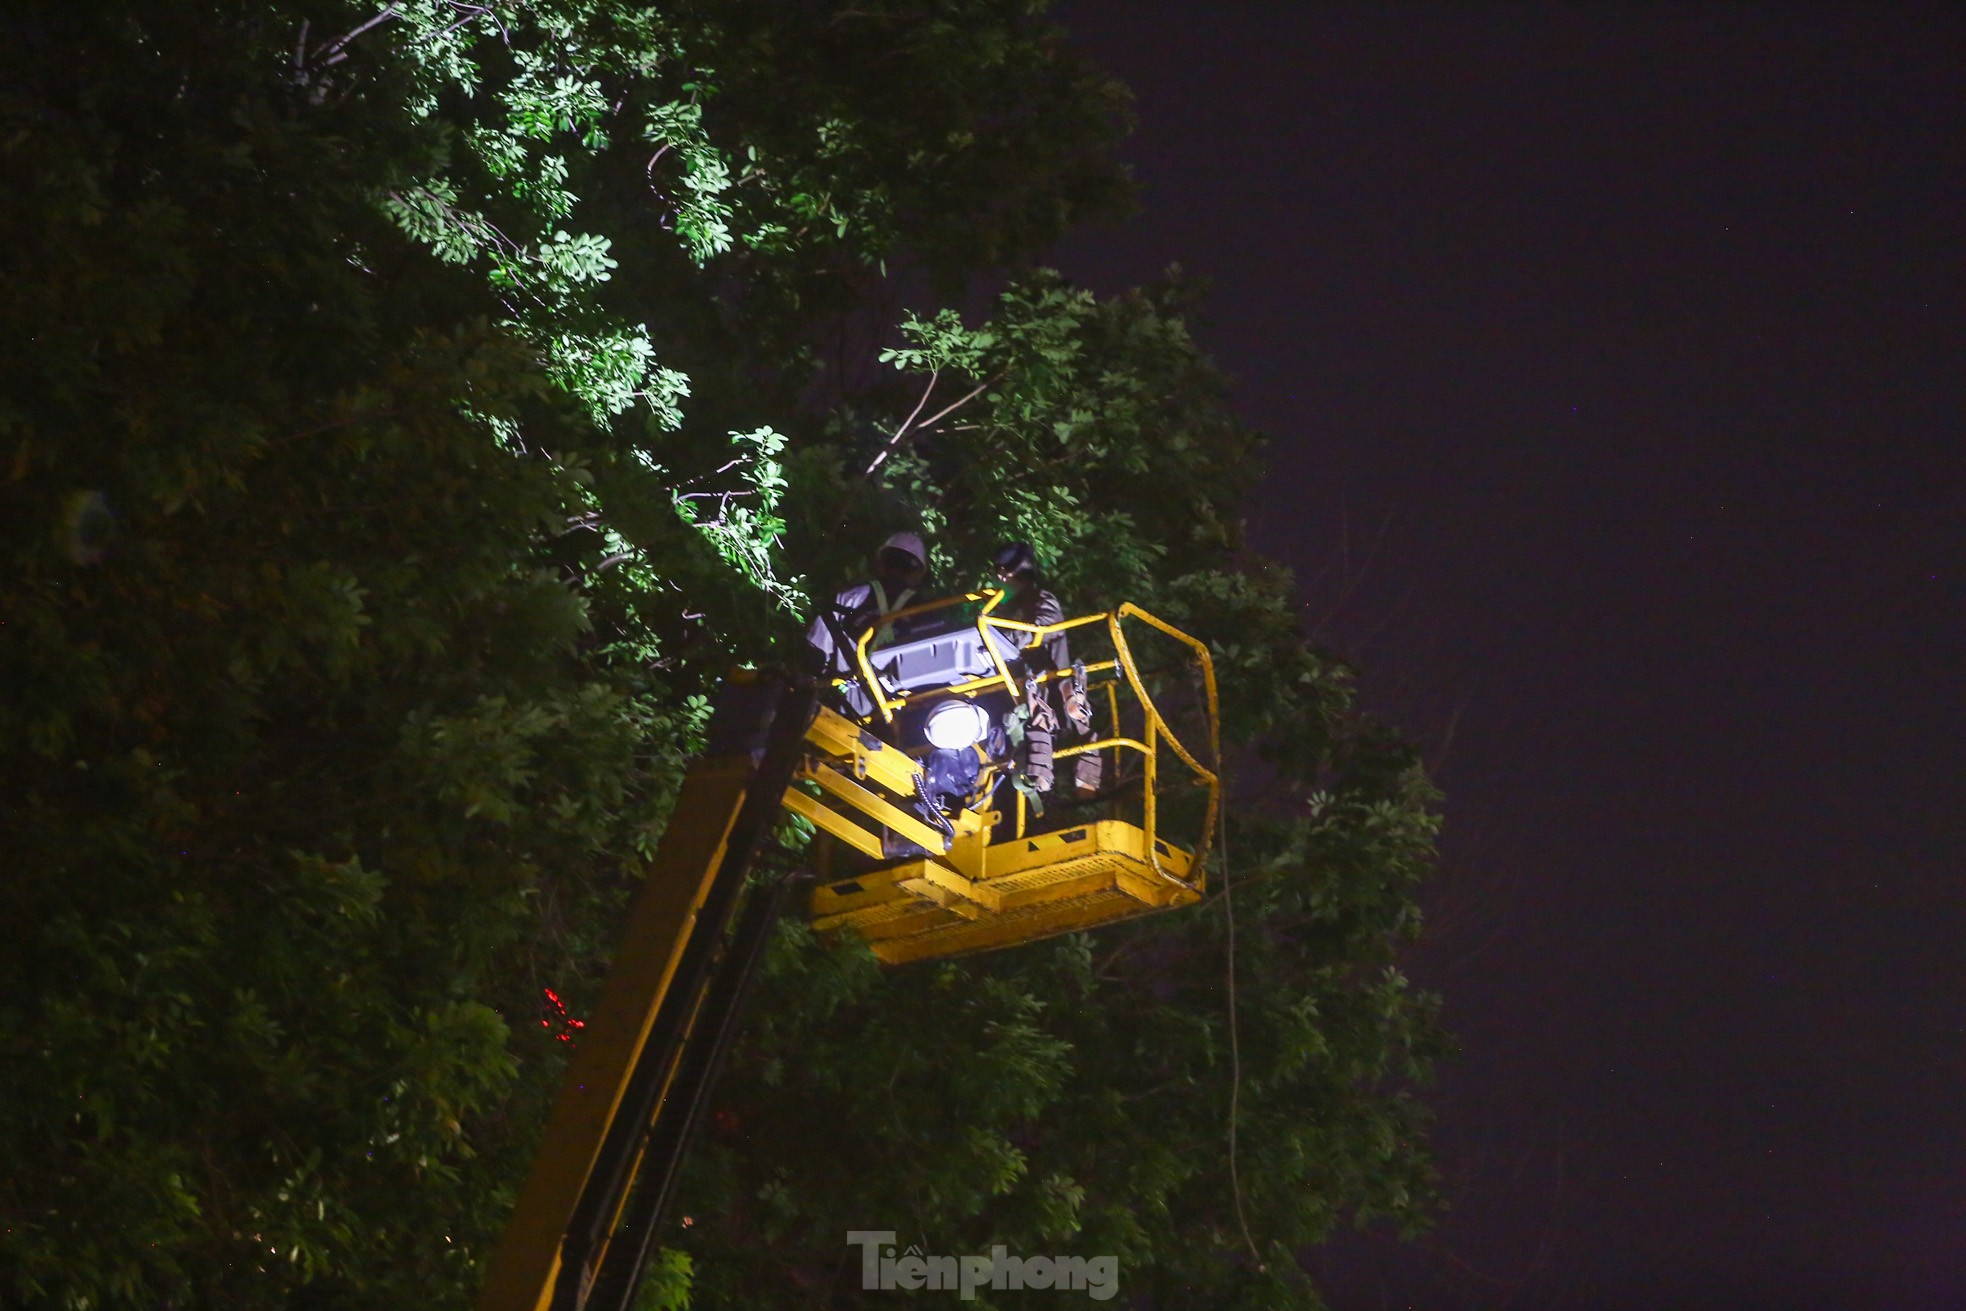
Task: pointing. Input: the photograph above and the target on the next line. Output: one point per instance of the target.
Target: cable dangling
(1235, 1050)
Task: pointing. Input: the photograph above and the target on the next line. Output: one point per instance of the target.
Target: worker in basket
(1035, 718)
(900, 580)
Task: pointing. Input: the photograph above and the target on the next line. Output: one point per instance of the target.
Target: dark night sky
(1614, 361)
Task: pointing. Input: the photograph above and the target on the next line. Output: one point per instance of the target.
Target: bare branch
(655, 159)
(725, 467)
(942, 413)
(887, 450)
(470, 12)
(331, 52)
(950, 409)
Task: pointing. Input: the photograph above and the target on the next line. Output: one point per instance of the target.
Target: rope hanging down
(1235, 1050)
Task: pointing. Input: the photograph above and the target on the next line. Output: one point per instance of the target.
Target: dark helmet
(1015, 558)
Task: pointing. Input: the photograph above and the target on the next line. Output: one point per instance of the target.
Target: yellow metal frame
(1156, 728)
(973, 894)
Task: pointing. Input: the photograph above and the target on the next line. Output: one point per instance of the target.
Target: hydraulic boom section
(580, 1234)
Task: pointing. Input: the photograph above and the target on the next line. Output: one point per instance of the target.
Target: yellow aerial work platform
(994, 880)
(941, 868)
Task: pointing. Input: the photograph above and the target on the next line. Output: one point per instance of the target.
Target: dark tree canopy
(411, 411)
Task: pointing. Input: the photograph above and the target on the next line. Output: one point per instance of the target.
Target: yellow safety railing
(1155, 728)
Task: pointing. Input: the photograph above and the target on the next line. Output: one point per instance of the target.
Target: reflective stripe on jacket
(862, 601)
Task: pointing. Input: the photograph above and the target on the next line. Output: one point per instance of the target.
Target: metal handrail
(1155, 727)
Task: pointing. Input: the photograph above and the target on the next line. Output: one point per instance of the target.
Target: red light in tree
(553, 1015)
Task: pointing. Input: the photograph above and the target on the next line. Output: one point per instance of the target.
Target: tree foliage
(413, 409)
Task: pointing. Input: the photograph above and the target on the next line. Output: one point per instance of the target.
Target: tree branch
(328, 53)
(942, 413)
(947, 410)
(887, 450)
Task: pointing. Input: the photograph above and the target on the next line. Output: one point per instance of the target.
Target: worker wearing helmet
(900, 580)
(1028, 601)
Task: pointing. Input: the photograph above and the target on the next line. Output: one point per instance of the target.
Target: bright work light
(955, 724)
